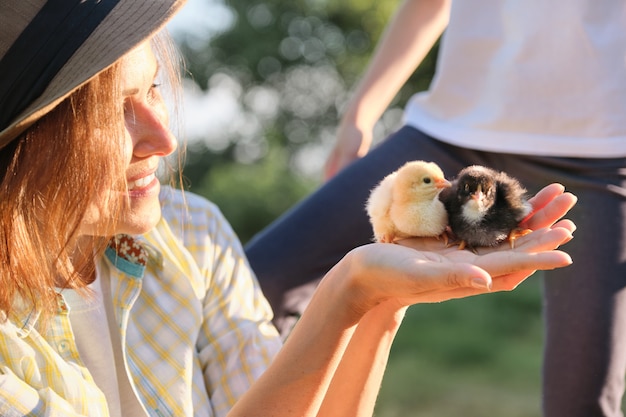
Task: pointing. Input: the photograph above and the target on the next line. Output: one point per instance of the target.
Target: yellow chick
(406, 204)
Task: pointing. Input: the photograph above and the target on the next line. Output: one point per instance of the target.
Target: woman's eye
(153, 92)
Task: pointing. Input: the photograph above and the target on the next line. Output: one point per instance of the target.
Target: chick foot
(515, 233)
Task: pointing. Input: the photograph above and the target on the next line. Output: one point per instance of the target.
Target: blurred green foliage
(249, 195)
(290, 66)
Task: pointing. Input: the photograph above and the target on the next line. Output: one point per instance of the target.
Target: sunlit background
(273, 72)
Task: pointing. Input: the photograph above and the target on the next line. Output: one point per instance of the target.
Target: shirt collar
(127, 253)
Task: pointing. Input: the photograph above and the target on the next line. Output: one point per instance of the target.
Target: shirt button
(63, 346)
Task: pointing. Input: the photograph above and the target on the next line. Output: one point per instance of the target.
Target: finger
(550, 212)
(455, 285)
(509, 282)
(566, 224)
(506, 282)
(433, 275)
(546, 194)
(438, 296)
(499, 264)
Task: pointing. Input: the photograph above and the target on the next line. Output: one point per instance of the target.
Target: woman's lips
(141, 182)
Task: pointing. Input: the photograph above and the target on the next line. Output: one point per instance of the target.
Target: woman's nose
(151, 133)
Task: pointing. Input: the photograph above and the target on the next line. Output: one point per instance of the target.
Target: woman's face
(147, 140)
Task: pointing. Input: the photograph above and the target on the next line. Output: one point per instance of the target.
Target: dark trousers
(584, 304)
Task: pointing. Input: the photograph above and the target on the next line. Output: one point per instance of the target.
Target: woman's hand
(423, 270)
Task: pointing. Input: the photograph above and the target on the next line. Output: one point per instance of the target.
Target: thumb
(468, 275)
(457, 281)
(434, 276)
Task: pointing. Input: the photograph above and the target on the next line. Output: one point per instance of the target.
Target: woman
(119, 298)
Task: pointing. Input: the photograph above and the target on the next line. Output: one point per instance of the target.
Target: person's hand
(425, 270)
(352, 143)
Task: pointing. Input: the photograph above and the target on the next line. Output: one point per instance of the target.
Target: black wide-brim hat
(50, 48)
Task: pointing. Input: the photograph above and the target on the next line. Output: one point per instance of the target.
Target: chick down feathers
(485, 206)
(406, 204)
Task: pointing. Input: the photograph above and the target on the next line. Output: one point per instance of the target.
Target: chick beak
(442, 183)
(478, 195)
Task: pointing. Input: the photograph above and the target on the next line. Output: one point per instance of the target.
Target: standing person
(121, 298)
(516, 93)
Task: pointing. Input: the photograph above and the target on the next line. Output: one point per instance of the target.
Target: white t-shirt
(99, 346)
(540, 77)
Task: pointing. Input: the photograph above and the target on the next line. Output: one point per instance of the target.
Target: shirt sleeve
(237, 340)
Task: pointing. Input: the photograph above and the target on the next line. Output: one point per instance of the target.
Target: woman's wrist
(341, 290)
(348, 287)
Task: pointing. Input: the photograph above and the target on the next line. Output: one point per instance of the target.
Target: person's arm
(334, 359)
(409, 36)
(357, 381)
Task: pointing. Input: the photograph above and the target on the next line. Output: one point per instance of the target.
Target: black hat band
(43, 48)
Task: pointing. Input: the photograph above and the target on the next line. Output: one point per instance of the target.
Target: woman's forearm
(355, 386)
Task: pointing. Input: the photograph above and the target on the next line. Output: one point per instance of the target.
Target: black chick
(485, 207)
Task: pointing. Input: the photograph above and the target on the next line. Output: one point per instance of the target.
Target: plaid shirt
(194, 326)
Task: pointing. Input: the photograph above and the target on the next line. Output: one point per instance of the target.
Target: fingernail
(481, 284)
(569, 237)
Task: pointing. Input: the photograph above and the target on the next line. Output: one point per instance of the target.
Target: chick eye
(427, 180)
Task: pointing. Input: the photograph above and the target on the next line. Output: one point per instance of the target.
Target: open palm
(427, 270)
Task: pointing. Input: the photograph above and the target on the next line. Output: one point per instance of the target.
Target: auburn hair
(49, 176)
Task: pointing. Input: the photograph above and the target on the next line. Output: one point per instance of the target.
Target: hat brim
(129, 24)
